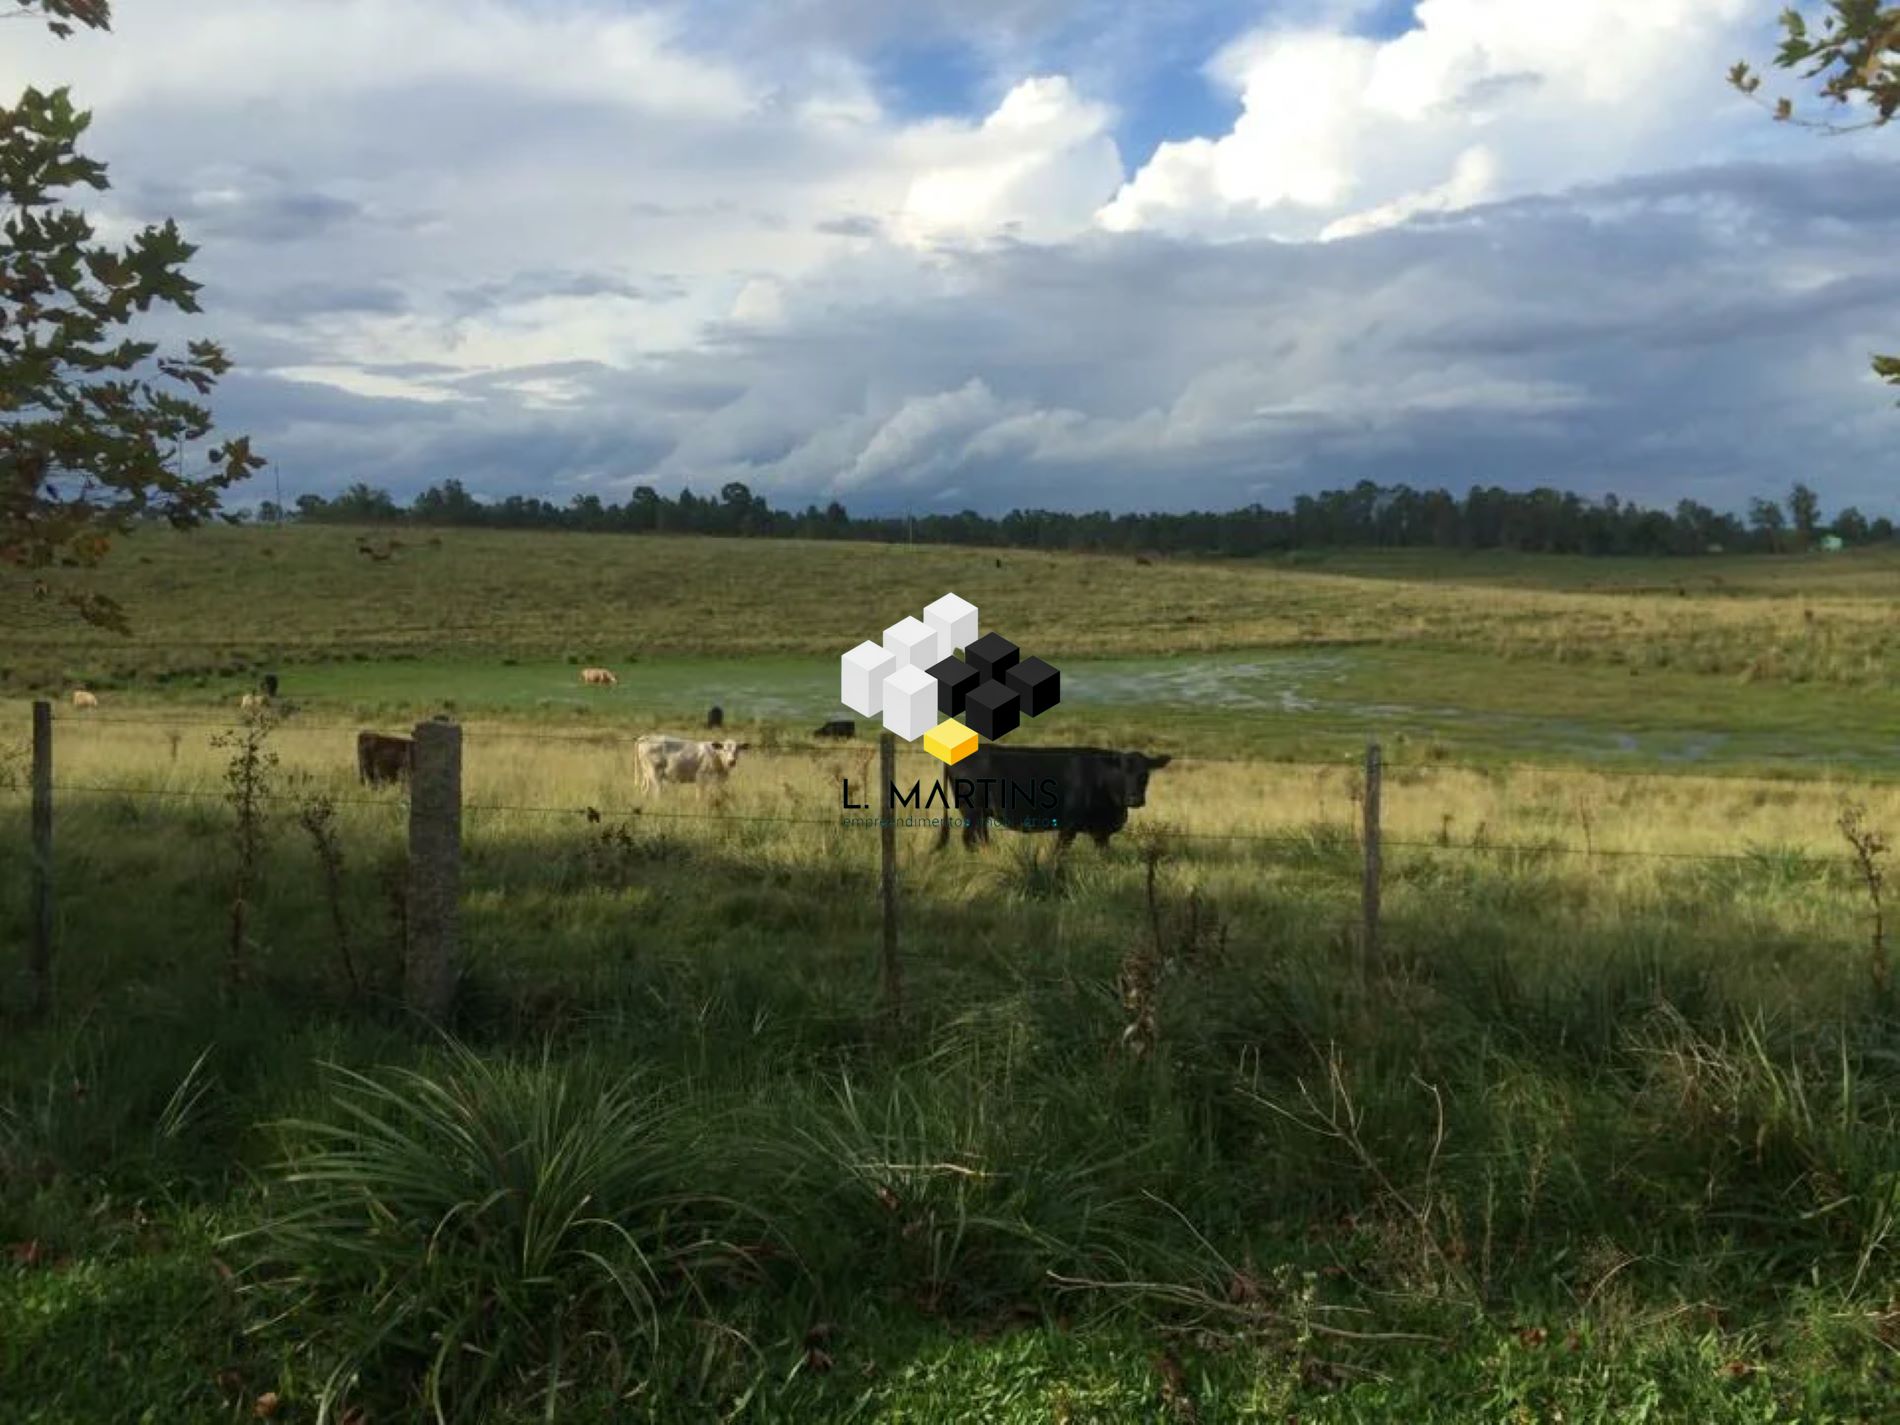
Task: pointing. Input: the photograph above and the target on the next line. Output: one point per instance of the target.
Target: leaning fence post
(887, 871)
(1369, 941)
(39, 955)
(433, 963)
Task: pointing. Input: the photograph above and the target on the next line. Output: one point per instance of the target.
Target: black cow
(269, 683)
(381, 758)
(717, 717)
(837, 727)
(1067, 790)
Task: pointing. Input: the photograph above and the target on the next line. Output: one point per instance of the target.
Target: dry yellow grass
(535, 771)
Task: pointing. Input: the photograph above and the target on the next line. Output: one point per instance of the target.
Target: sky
(1073, 254)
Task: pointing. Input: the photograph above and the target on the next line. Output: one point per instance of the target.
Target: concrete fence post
(433, 966)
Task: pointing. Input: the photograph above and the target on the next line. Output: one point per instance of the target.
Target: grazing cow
(1067, 790)
(717, 717)
(598, 677)
(84, 699)
(383, 759)
(675, 759)
(838, 727)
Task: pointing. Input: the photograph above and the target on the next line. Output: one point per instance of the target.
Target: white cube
(914, 644)
(861, 675)
(955, 620)
(910, 703)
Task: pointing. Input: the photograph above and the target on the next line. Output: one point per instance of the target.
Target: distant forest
(1365, 516)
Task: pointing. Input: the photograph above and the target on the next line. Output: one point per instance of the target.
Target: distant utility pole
(278, 477)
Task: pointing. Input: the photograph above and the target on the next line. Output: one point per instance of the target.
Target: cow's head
(1135, 769)
(725, 754)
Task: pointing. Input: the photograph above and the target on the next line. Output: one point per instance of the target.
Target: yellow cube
(950, 742)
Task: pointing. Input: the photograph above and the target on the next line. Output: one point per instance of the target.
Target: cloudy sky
(987, 253)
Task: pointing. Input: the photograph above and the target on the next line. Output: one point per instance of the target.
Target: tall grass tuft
(490, 1231)
(1032, 871)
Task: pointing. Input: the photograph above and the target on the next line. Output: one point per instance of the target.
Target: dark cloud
(850, 227)
(314, 299)
(248, 208)
(1703, 333)
(535, 286)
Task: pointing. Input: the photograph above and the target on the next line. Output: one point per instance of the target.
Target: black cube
(1038, 687)
(992, 655)
(955, 680)
(992, 709)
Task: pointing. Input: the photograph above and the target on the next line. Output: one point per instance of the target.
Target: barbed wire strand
(1345, 765)
(1289, 840)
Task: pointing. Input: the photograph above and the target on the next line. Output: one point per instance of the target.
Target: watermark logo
(934, 678)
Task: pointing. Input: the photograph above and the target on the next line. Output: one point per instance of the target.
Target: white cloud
(359, 382)
(1036, 168)
(444, 147)
(1480, 98)
(1474, 178)
(232, 53)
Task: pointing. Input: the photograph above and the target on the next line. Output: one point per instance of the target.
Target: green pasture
(1321, 704)
(1609, 1133)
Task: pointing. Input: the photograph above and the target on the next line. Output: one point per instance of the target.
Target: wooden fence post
(39, 962)
(1370, 896)
(887, 878)
(433, 965)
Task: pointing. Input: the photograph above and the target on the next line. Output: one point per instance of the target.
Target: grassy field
(1610, 1135)
(1758, 663)
(228, 598)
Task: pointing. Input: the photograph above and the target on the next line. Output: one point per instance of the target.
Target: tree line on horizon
(1365, 516)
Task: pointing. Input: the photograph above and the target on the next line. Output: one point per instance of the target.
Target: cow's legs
(1065, 838)
(1101, 838)
(949, 809)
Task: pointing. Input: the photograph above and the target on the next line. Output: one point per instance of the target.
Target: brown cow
(84, 699)
(598, 677)
(383, 759)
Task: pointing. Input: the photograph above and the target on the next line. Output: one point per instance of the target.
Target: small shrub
(316, 814)
(247, 777)
(1870, 854)
(488, 1233)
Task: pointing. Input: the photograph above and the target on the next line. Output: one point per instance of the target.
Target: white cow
(675, 759)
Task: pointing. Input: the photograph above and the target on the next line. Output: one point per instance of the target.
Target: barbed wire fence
(435, 808)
